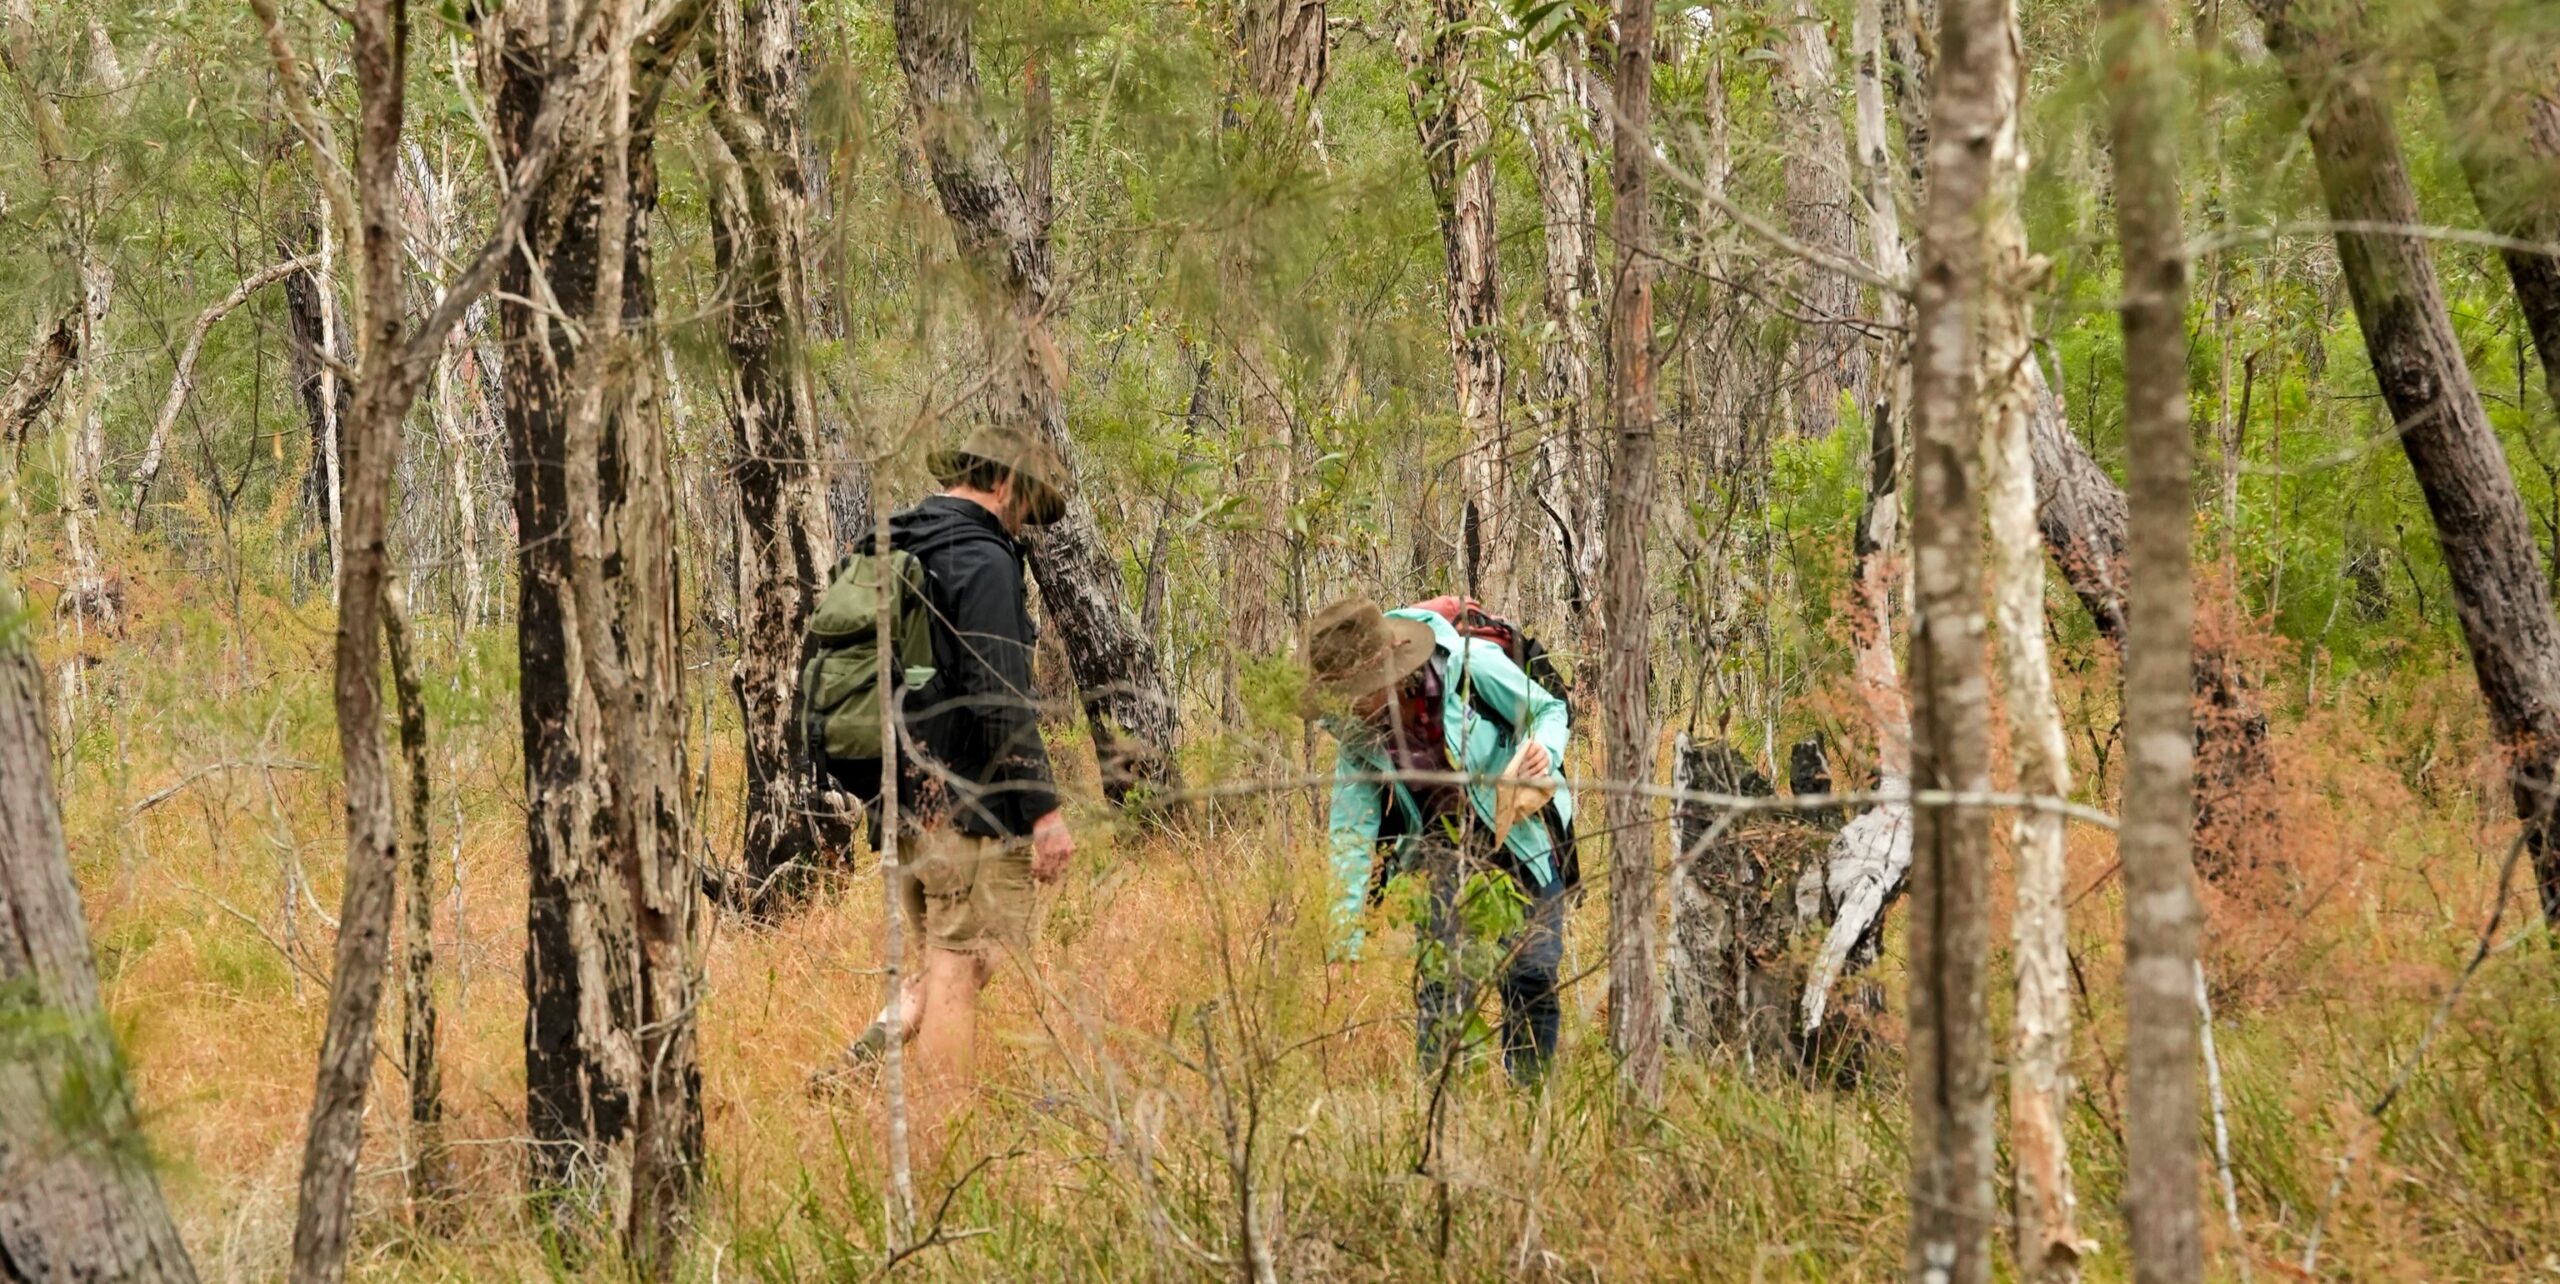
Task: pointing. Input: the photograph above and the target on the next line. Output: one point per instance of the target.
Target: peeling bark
(759, 226)
(612, 1081)
(55, 350)
(2046, 1238)
(370, 440)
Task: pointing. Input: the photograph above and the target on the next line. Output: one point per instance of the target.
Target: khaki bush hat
(1352, 649)
(1038, 472)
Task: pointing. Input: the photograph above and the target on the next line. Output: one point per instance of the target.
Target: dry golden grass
(1181, 1003)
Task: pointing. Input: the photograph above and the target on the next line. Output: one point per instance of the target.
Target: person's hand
(1051, 847)
(1534, 762)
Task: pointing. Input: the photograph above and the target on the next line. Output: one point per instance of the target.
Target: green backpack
(840, 671)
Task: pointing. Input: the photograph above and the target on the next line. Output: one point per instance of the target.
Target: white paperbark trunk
(2047, 1244)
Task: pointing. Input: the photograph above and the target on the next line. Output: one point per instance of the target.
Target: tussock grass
(1178, 1024)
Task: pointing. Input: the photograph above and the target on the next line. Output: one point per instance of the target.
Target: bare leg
(918, 996)
(946, 1045)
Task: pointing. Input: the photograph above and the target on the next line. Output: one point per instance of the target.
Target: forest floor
(1184, 1021)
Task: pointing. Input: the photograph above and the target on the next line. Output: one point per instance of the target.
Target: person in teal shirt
(1408, 698)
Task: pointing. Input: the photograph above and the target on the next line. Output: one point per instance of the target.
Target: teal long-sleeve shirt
(1477, 746)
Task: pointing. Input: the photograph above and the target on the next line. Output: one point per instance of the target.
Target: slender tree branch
(183, 382)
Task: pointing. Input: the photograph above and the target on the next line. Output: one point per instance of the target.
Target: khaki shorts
(969, 895)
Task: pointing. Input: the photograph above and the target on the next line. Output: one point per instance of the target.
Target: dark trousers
(1451, 963)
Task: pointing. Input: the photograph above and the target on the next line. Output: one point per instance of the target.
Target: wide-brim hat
(1039, 475)
(1353, 648)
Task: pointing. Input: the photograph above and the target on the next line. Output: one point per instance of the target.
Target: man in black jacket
(980, 813)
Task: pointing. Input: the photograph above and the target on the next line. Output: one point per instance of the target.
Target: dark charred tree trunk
(759, 236)
(1635, 987)
(326, 401)
(612, 1083)
(2500, 592)
(2507, 123)
(2159, 873)
(1003, 238)
(1731, 975)
(80, 1201)
(1952, 1208)
(430, 1165)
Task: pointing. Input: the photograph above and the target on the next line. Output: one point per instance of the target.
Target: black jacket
(977, 722)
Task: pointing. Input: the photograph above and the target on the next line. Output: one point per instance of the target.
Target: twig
(935, 1236)
(1761, 228)
(2367, 227)
(270, 764)
(291, 959)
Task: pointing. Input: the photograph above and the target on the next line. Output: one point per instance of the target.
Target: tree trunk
(1448, 102)
(1829, 358)
(446, 398)
(451, 399)
(2507, 123)
(1635, 988)
(55, 350)
(430, 1167)
(1880, 516)
(1569, 457)
(2160, 906)
(2046, 1241)
(1730, 975)
(2081, 513)
(1869, 861)
(2499, 588)
(612, 1084)
(326, 399)
(1004, 241)
(1952, 1208)
(80, 1201)
(759, 211)
(1285, 50)
(370, 442)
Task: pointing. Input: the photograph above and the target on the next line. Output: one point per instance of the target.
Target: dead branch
(183, 382)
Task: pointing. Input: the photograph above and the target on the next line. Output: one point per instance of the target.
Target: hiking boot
(852, 1064)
